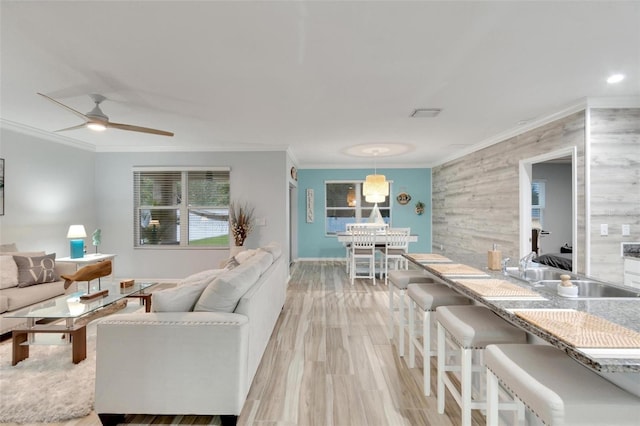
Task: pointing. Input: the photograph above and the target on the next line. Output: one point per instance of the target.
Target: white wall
(48, 186)
(259, 178)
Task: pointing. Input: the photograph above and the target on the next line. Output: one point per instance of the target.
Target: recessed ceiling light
(615, 78)
(425, 112)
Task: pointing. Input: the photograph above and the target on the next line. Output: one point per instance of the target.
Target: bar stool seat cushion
(429, 296)
(402, 279)
(476, 326)
(558, 389)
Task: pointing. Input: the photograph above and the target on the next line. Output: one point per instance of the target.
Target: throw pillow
(178, 299)
(36, 270)
(8, 272)
(202, 276)
(223, 294)
(230, 263)
(274, 248)
(244, 255)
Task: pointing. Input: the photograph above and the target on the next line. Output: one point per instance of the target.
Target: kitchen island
(623, 312)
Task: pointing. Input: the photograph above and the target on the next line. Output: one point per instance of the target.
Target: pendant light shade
(375, 186)
(375, 198)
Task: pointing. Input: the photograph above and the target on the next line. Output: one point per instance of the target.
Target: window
(346, 204)
(181, 207)
(537, 203)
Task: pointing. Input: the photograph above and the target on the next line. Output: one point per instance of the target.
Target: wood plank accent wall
(615, 186)
(476, 197)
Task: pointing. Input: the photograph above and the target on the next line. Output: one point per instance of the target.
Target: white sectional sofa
(201, 362)
(15, 295)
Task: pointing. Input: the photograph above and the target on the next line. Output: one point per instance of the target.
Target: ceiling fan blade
(79, 126)
(78, 113)
(138, 129)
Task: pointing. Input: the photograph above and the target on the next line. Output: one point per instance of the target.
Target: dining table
(602, 334)
(345, 238)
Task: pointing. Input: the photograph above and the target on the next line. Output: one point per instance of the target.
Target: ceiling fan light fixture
(615, 78)
(97, 127)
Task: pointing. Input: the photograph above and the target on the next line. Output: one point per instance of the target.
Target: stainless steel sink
(537, 274)
(547, 280)
(588, 289)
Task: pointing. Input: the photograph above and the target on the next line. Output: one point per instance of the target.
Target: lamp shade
(76, 231)
(375, 198)
(375, 185)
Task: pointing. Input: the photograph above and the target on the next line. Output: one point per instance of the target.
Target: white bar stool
(471, 328)
(557, 389)
(427, 297)
(400, 280)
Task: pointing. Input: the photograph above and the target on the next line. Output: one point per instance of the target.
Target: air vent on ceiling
(425, 112)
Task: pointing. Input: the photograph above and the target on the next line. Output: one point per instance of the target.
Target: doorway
(550, 213)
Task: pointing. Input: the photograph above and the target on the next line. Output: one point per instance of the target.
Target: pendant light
(375, 187)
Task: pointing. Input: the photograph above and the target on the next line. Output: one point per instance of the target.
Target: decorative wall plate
(294, 173)
(403, 198)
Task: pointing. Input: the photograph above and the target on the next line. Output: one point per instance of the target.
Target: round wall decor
(294, 173)
(403, 198)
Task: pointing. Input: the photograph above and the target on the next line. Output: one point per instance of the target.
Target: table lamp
(76, 234)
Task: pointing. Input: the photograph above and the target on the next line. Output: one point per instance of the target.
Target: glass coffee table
(46, 317)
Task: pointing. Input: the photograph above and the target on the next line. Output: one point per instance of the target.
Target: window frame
(359, 217)
(540, 206)
(183, 207)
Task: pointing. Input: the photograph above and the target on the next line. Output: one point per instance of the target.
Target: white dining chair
(347, 246)
(396, 245)
(363, 248)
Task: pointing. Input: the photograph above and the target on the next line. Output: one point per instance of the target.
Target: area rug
(47, 386)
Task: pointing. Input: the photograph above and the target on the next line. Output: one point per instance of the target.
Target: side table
(88, 259)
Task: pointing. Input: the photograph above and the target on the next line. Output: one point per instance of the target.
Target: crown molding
(582, 104)
(38, 133)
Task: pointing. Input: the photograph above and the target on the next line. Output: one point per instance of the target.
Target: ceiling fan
(99, 121)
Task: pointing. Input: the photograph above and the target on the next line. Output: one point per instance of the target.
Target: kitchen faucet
(525, 261)
(505, 262)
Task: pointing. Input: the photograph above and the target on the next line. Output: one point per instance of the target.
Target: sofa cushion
(223, 294)
(202, 276)
(263, 259)
(244, 255)
(274, 248)
(8, 272)
(36, 270)
(183, 297)
(238, 259)
(19, 297)
(178, 299)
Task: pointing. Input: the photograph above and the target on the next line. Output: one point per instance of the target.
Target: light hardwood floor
(329, 362)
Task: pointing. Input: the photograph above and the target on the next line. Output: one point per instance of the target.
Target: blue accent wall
(312, 241)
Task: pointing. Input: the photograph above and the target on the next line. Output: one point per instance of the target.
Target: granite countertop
(623, 311)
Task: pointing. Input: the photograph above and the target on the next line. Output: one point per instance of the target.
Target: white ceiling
(316, 77)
